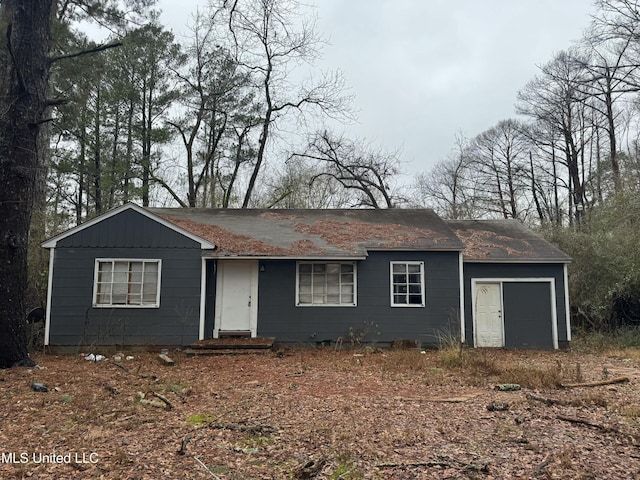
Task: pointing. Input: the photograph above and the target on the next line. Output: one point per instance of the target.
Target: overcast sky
(422, 71)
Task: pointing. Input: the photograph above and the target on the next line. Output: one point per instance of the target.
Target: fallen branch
(162, 402)
(243, 428)
(310, 468)
(547, 401)
(164, 399)
(603, 428)
(446, 462)
(596, 384)
(583, 421)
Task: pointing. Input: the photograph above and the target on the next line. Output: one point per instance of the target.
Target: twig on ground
(183, 445)
(542, 466)
(596, 384)
(206, 468)
(547, 401)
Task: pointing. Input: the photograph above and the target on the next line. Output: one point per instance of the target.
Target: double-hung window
(407, 284)
(321, 283)
(126, 283)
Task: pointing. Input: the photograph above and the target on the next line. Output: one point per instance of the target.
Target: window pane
(415, 299)
(104, 296)
(347, 278)
(415, 278)
(318, 299)
(149, 293)
(333, 279)
(346, 268)
(305, 268)
(399, 268)
(333, 268)
(347, 298)
(104, 271)
(347, 289)
(413, 268)
(319, 268)
(303, 289)
(333, 298)
(306, 298)
(415, 288)
(305, 279)
(399, 299)
(135, 277)
(399, 278)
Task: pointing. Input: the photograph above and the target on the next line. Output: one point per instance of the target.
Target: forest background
(223, 118)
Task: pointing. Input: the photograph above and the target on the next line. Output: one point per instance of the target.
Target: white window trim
(323, 305)
(94, 302)
(422, 285)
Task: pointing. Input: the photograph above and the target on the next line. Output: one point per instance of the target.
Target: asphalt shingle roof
(313, 233)
(504, 241)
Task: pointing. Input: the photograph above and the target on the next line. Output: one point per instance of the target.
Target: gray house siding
(73, 319)
(527, 304)
(373, 319)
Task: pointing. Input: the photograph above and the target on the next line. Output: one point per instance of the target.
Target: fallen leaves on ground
(321, 413)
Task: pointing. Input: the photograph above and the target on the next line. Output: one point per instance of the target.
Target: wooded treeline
(225, 117)
(568, 164)
(233, 115)
(573, 145)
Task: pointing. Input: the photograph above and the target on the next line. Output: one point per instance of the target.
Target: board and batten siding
(372, 319)
(128, 235)
(527, 308)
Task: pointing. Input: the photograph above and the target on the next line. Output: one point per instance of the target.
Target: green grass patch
(200, 419)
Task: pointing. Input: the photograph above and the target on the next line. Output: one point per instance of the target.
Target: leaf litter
(321, 413)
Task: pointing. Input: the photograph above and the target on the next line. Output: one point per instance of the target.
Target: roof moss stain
(346, 235)
(484, 243)
(226, 241)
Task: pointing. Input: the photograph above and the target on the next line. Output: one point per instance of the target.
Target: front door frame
(252, 300)
(474, 295)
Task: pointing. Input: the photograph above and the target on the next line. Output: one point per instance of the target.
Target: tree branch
(99, 48)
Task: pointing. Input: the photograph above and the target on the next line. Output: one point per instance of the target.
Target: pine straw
(267, 416)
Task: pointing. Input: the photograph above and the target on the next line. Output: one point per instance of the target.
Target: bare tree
(357, 167)
(499, 159)
(272, 38)
(552, 99)
(300, 184)
(449, 187)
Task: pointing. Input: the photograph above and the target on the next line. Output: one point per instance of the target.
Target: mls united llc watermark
(53, 457)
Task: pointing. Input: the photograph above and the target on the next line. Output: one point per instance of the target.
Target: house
(163, 276)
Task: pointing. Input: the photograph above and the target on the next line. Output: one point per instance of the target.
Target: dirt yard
(390, 414)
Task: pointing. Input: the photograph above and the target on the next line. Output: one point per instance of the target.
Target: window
(407, 284)
(326, 284)
(127, 283)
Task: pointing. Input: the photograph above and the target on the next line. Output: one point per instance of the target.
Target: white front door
(236, 297)
(489, 325)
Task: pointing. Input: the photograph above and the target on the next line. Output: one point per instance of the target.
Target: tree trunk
(24, 76)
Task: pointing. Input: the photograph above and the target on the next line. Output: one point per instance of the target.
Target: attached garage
(511, 313)
(515, 287)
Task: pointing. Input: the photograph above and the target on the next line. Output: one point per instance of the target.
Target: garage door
(528, 314)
